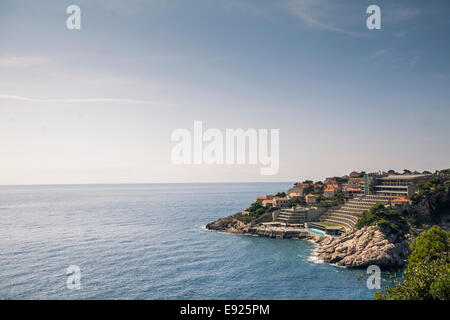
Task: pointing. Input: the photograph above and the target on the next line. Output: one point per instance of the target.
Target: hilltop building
(350, 192)
(390, 190)
(356, 183)
(318, 187)
(299, 188)
(397, 186)
(393, 190)
(281, 202)
(400, 203)
(311, 199)
(260, 200)
(330, 192)
(294, 195)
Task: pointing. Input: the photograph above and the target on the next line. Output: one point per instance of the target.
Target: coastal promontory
(356, 221)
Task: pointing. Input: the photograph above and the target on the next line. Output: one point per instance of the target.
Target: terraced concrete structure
(347, 215)
(292, 216)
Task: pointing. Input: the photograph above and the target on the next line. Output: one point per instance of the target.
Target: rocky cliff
(368, 246)
(229, 224)
(432, 209)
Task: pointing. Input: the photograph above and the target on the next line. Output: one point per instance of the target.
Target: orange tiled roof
(261, 198)
(278, 198)
(353, 189)
(400, 200)
(311, 195)
(268, 201)
(329, 190)
(295, 194)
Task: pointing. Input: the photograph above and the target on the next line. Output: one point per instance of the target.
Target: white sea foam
(314, 258)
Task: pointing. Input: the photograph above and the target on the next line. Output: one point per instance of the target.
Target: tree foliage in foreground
(427, 276)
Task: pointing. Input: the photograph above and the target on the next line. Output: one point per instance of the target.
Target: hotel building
(401, 186)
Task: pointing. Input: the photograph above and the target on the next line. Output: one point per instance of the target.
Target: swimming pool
(316, 231)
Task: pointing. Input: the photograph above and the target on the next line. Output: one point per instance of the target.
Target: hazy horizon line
(135, 183)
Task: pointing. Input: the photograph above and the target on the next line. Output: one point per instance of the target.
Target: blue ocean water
(148, 241)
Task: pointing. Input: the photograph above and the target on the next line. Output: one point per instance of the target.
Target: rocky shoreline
(357, 249)
(365, 247)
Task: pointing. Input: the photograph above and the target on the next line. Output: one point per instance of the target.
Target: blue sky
(98, 105)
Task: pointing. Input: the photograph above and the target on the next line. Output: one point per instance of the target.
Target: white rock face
(365, 247)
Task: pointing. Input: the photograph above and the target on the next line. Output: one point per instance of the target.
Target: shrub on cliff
(329, 203)
(427, 276)
(429, 188)
(386, 219)
(254, 211)
(297, 201)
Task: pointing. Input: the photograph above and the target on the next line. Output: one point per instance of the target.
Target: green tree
(340, 199)
(297, 201)
(427, 276)
(308, 189)
(341, 180)
(255, 211)
(429, 245)
(387, 219)
(432, 186)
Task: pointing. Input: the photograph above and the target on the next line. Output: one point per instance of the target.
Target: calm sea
(148, 241)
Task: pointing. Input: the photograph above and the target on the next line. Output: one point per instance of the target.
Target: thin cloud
(393, 56)
(406, 14)
(84, 100)
(22, 61)
(307, 11)
(377, 54)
